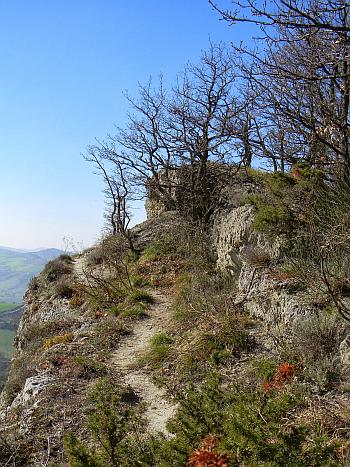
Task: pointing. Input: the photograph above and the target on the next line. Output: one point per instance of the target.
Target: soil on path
(159, 409)
(132, 347)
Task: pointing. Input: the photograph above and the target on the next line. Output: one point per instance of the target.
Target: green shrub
(15, 451)
(314, 342)
(139, 281)
(87, 368)
(165, 245)
(263, 368)
(283, 203)
(252, 427)
(138, 295)
(308, 174)
(271, 218)
(114, 425)
(321, 255)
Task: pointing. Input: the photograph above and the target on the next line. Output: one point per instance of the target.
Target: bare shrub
(255, 256)
(64, 289)
(34, 335)
(108, 285)
(108, 333)
(314, 342)
(95, 257)
(321, 258)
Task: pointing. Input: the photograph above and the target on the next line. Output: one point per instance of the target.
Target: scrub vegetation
(217, 332)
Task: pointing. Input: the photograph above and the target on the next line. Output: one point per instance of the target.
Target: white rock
(32, 387)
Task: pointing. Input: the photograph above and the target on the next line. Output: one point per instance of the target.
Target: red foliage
(283, 375)
(295, 172)
(207, 456)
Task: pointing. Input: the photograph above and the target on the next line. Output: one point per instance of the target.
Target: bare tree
(175, 135)
(143, 148)
(309, 16)
(118, 193)
(206, 126)
(303, 71)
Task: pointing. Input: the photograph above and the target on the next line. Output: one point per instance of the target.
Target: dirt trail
(159, 410)
(79, 268)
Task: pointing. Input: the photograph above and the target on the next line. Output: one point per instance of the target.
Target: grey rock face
(344, 350)
(32, 387)
(252, 258)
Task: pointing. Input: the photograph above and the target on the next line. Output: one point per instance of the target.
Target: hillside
(17, 268)
(220, 346)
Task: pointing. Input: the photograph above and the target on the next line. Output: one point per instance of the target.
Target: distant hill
(17, 267)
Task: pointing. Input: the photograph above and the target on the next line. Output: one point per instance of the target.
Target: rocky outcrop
(180, 188)
(265, 290)
(83, 347)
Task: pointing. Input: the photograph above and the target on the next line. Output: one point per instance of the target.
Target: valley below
(9, 319)
(17, 268)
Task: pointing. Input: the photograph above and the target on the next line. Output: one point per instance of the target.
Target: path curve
(132, 347)
(158, 408)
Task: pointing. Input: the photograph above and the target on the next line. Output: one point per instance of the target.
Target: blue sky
(64, 67)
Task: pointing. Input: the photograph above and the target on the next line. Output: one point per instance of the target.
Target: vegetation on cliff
(250, 357)
(246, 391)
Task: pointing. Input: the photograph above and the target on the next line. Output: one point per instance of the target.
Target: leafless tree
(205, 123)
(309, 16)
(303, 71)
(118, 193)
(176, 134)
(143, 147)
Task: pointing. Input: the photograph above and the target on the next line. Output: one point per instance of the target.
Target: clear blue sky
(64, 67)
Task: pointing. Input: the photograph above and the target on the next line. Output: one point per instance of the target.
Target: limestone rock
(32, 387)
